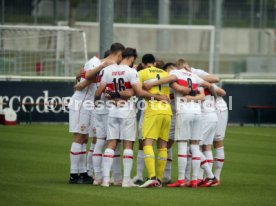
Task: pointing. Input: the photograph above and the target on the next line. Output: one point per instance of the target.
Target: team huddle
(178, 104)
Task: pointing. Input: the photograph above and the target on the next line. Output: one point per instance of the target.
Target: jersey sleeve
(141, 76)
(92, 63)
(199, 72)
(175, 73)
(104, 78)
(134, 77)
(198, 79)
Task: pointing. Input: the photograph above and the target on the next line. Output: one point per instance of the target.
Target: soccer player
(222, 112)
(156, 124)
(80, 109)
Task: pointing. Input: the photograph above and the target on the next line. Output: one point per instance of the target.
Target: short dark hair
(116, 47)
(139, 67)
(129, 52)
(148, 59)
(107, 53)
(159, 63)
(167, 65)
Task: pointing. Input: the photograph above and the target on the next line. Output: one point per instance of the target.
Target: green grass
(34, 170)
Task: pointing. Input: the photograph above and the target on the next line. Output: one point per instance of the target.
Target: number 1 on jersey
(159, 86)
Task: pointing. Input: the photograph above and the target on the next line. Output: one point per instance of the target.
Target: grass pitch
(34, 170)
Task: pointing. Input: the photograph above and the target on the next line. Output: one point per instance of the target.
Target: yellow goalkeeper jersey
(154, 107)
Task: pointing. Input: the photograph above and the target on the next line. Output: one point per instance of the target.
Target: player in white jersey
(80, 111)
(222, 112)
(188, 122)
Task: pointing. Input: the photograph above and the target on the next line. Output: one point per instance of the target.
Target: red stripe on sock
(195, 158)
(127, 157)
(77, 153)
(91, 150)
(219, 160)
(185, 156)
(170, 160)
(189, 156)
(117, 156)
(203, 162)
(97, 155)
(210, 161)
(109, 156)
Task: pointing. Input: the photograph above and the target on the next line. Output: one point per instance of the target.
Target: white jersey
(199, 72)
(79, 98)
(186, 79)
(102, 109)
(208, 105)
(119, 78)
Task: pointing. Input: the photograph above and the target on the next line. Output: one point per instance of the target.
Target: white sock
(188, 166)
(128, 162)
(82, 164)
(116, 167)
(209, 157)
(75, 153)
(140, 163)
(97, 158)
(107, 163)
(195, 160)
(182, 159)
(168, 168)
(205, 166)
(219, 160)
(90, 160)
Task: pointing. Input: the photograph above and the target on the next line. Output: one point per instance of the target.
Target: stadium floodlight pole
(163, 18)
(217, 34)
(106, 25)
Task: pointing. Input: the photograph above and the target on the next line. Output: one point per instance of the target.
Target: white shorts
(101, 125)
(222, 125)
(140, 137)
(92, 128)
(79, 122)
(172, 128)
(209, 126)
(121, 128)
(188, 127)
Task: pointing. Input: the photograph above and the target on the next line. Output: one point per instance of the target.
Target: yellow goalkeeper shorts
(156, 126)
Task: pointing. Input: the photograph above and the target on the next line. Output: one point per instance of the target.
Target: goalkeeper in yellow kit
(156, 123)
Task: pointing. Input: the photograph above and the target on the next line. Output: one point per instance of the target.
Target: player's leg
(168, 170)
(138, 179)
(218, 143)
(116, 166)
(101, 121)
(78, 125)
(188, 166)
(128, 135)
(182, 135)
(113, 133)
(92, 135)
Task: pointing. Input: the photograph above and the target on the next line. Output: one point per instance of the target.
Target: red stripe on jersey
(203, 162)
(185, 156)
(77, 153)
(127, 157)
(97, 155)
(111, 86)
(83, 74)
(219, 160)
(195, 158)
(109, 156)
(184, 83)
(207, 92)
